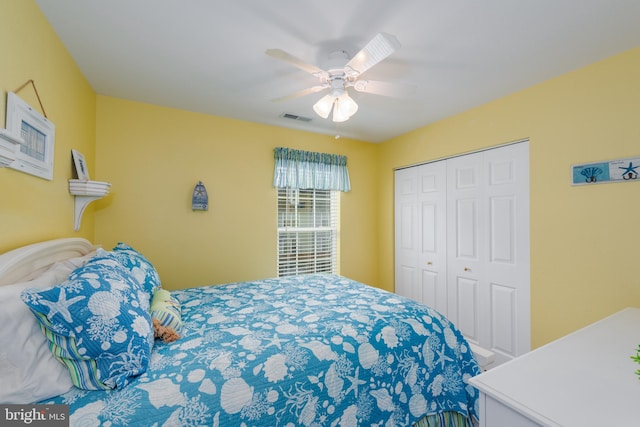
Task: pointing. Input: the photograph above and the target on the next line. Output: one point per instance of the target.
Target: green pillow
(166, 308)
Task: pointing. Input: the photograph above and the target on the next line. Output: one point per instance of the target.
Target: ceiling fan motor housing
(337, 61)
(338, 86)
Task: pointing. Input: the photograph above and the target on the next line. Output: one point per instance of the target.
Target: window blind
(307, 231)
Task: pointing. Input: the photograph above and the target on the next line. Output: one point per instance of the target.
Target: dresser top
(586, 378)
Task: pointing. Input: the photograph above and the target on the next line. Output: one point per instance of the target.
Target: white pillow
(28, 370)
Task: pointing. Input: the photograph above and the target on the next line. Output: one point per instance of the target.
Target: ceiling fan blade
(385, 89)
(300, 93)
(296, 62)
(380, 47)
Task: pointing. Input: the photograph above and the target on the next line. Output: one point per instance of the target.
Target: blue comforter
(316, 350)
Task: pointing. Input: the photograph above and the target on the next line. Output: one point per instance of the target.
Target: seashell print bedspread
(314, 350)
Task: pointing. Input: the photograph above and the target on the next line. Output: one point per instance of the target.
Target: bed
(312, 350)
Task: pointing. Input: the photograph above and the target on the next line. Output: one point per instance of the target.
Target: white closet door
(508, 263)
(462, 244)
(465, 234)
(488, 248)
(421, 258)
(432, 218)
(407, 231)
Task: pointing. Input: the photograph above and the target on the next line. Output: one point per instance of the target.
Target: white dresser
(584, 379)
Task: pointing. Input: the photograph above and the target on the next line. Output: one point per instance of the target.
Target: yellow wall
(32, 208)
(584, 240)
(154, 156)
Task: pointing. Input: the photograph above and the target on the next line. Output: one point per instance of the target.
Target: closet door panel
(433, 288)
(429, 213)
(406, 237)
(503, 233)
(465, 207)
(503, 319)
(507, 190)
(466, 223)
(406, 284)
(431, 291)
(467, 294)
(406, 268)
(432, 258)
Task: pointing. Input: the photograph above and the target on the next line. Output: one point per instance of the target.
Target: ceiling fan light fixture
(324, 105)
(339, 100)
(344, 108)
(339, 116)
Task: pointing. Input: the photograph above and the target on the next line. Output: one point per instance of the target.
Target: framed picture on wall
(80, 165)
(36, 152)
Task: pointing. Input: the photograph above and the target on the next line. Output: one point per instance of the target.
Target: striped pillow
(166, 308)
(84, 371)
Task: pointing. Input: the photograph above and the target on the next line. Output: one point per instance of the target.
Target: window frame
(305, 232)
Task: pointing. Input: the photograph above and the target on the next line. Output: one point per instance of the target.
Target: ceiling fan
(344, 72)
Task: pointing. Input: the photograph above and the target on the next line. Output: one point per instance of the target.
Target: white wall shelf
(86, 192)
(9, 147)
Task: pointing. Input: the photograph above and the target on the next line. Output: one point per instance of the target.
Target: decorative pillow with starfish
(97, 323)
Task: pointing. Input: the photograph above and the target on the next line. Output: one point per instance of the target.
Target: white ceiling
(208, 56)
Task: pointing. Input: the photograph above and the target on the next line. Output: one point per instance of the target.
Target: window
(308, 209)
(307, 231)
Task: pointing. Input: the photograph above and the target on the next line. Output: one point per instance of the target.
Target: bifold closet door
(488, 248)
(420, 222)
(462, 244)
(508, 250)
(465, 240)
(406, 234)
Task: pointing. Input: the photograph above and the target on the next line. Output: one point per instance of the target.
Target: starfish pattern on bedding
(355, 383)
(378, 317)
(61, 306)
(275, 341)
(442, 357)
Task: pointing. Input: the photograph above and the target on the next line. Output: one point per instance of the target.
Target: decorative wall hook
(200, 200)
